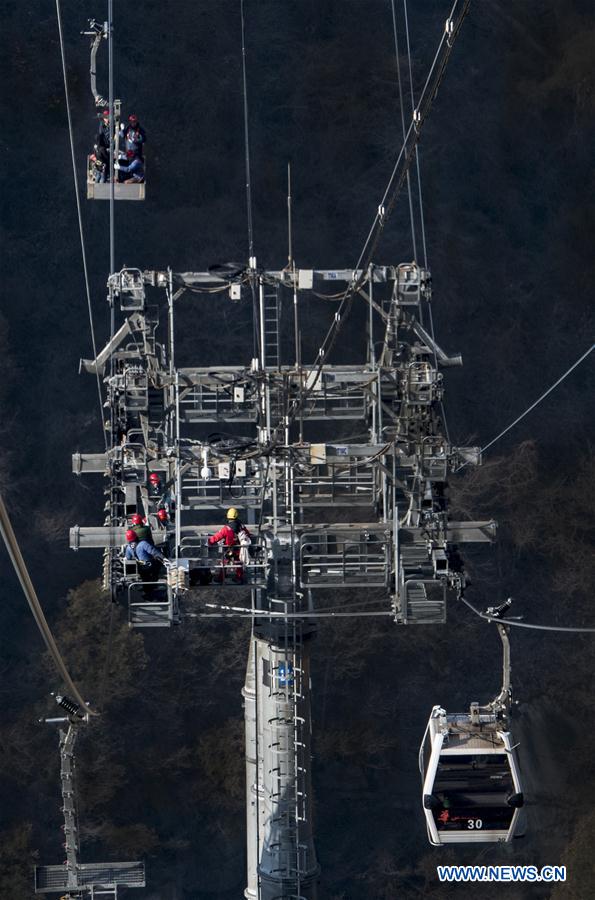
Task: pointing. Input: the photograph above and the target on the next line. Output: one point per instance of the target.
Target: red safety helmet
(105, 113)
(131, 536)
(133, 118)
(130, 154)
(162, 515)
(154, 478)
(136, 519)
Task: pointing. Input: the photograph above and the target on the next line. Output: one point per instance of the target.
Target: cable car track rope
(539, 399)
(535, 403)
(79, 215)
(531, 625)
(391, 193)
(20, 567)
(403, 127)
(418, 175)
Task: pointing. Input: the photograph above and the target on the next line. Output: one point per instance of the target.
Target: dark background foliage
(508, 186)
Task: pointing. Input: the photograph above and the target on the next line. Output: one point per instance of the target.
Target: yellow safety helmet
(232, 513)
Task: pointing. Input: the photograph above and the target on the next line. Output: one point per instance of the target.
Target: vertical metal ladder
(272, 318)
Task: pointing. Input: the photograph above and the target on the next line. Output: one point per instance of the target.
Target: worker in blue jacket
(131, 172)
(150, 559)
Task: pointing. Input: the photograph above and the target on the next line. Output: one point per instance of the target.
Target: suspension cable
(531, 625)
(539, 399)
(421, 210)
(20, 568)
(80, 218)
(419, 193)
(403, 128)
(391, 193)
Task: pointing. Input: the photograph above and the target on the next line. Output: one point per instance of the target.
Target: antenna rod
(247, 142)
(289, 232)
(110, 49)
(296, 317)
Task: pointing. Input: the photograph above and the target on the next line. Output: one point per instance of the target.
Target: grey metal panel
(98, 191)
(472, 532)
(50, 879)
(86, 537)
(380, 274)
(150, 615)
(89, 463)
(133, 322)
(483, 532)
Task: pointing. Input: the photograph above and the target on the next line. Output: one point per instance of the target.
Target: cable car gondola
(98, 188)
(471, 780)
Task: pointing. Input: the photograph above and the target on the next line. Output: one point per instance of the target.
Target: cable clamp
(449, 27)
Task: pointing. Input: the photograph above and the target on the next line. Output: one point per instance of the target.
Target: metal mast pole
(110, 51)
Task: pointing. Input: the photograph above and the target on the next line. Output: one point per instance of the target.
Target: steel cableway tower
(175, 457)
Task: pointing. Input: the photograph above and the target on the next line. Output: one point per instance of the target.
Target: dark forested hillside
(506, 161)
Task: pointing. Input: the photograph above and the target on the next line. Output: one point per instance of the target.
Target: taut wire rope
(536, 403)
(79, 214)
(403, 128)
(531, 625)
(391, 193)
(421, 207)
(20, 568)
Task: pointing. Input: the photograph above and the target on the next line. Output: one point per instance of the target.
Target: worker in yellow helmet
(230, 536)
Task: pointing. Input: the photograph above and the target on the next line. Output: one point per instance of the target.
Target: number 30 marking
(474, 823)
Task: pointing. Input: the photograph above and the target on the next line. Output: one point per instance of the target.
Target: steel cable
(421, 208)
(530, 625)
(539, 399)
(391, 194)
(403, 128)
(79, 214)
(20, 568)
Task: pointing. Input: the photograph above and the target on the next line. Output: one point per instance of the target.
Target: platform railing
(219, 565)
(345, 560)
(199, 402)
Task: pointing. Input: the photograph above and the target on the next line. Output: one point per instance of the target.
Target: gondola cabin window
(473, 792)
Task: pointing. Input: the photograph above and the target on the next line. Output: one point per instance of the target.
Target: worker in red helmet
(133, 136)
(162, 515)
(233, 535)
(150, 560)
(154, 484)
(140, 527)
